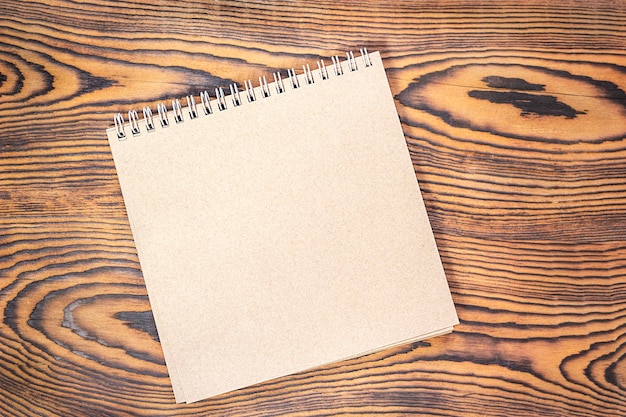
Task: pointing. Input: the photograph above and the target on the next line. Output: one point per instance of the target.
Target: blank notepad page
(283, 233)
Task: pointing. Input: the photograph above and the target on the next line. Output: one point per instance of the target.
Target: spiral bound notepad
(280, 226)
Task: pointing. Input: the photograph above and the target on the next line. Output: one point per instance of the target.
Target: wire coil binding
(235, 96)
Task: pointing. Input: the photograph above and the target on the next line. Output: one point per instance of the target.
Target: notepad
(280, 226)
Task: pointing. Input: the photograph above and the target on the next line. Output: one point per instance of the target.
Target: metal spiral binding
(337, 65)
(278, 81)
(191, 105)
(221, 100)
(134, 124)
(205, 100)
(178, 111)
(293, 78)
(265, 89)
(163, 115)
(308, 75)
(249, 91)
(235, 96)
(234, 93)
(322, 69)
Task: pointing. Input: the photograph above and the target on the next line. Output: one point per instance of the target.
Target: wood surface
(515, 117)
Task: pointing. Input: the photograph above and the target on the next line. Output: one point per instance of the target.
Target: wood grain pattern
(515, 116)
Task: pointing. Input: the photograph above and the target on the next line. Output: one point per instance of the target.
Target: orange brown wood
(515, 116)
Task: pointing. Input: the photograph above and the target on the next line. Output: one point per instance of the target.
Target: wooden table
(515, 116)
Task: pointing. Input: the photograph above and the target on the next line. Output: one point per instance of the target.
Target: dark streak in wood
(140, 320)
(495, 81)
(538, 104)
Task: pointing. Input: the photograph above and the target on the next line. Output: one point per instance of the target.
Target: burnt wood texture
(515, 117)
